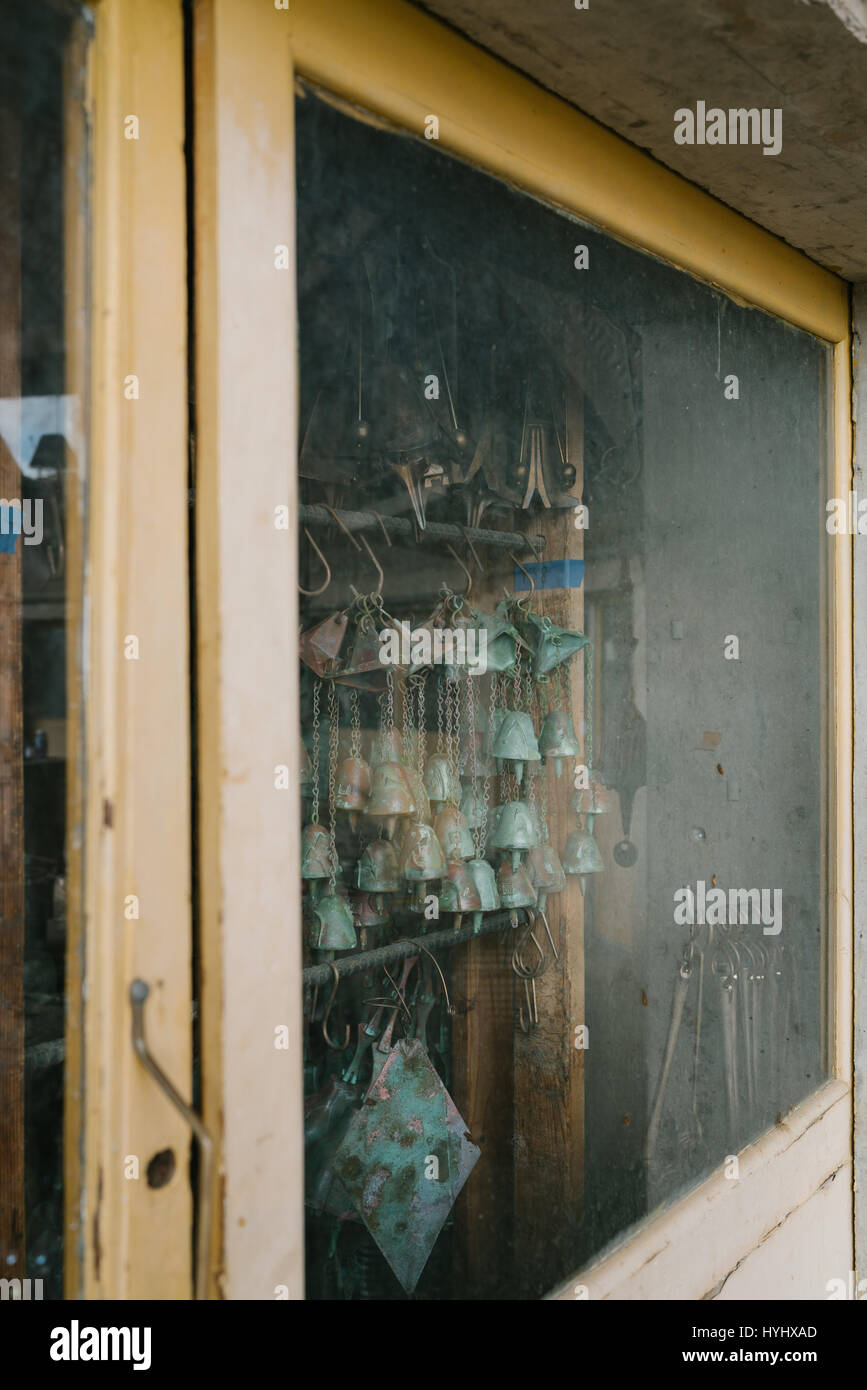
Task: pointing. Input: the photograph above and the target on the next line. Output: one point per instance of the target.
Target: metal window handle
(138, 993)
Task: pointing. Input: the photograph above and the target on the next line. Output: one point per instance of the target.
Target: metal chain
(314, 810)
(407, 723)
(516, 682)
(529, 699)
(440, 699)
(355, 725)
(486, 794)
(474, 769)
(422, 732)
(453, 722)
(333, 714)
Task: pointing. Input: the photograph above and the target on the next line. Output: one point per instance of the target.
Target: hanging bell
(581, 856)
(367, 916)
(390, 795)
(498, 714)
(363, 667)
(419, 795)
(501, 639)
(458, 892)
(484, 765)
(514, 887)
(473, 806)
(378, 870)
(453, 833)
(557, 739)
(320, 645)
(353, 787)
(515, 830)
(594, 800)
(332, 927)
(486, 886)
(551, 645)
(439, 781)
(516, 741)
(421, 857)
(546, 872)
(316, 862)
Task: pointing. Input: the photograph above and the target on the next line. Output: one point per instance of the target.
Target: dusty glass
(562, 536)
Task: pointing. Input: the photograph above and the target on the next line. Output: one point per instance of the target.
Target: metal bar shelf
(436, 530)
(384, 955)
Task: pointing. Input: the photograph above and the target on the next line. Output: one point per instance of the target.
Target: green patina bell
(332, 926)
(597, 799)
(366, 912)
(493, 821)
(473, 806)
(316, 862)
(486, 886)
(419, 795)
(484, 765)
(378, 870)
(496, 637)
(353, 787)
(439, 781)
(581, 856)
(390, 795)
(458, 892)
(454, 835)
(498, 714)
(551, 645)
(515, 887)
(546, 872)
(558, 739)
(422, 855)
(516, 741)
(515, 830)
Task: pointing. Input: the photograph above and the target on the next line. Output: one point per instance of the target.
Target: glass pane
(41, 458)
(562, 547)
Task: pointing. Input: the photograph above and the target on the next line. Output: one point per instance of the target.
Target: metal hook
(378, 589)
(527, 575)
(311, 593)
(335, 1047)
(138, 993)
(472, 550)
(342, 526)
(384, 530)
(532, 1020)
(468, 589)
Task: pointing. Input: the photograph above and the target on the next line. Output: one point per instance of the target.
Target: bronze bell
(353, 787)
(546, 872)
(473, 806)
(454, 835)
(316, 860)
(597, 799)
(557, 739)
(498, 714)
(514, 887)
(390, 795)
(581, 856)
(320, 645)
(378, 870)
(552, 645)
(419, 795)
(421, 857)
(363, 668)
(332, 927)
(486, 886)
(439, 781)
(516, 741)
(493, 822)
(515, 830)
(368, 916)
(458, 892)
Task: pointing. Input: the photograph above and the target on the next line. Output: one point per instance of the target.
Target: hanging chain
(516, 682)
(529, 700)
(440, 701)
(422, 732)
(333, 712)
(389, 699)
(355, 725)
(453, 731)
(474, 769)
(486, 794)
(314, 810)
(407, 722)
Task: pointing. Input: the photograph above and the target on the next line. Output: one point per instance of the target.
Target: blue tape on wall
(551, 574)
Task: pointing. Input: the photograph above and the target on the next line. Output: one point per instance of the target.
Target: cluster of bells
(426, 824)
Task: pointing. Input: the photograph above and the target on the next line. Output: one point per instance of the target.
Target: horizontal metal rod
(384, 955)
(435, 530)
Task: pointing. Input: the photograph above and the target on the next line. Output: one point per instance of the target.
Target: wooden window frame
(397, 64)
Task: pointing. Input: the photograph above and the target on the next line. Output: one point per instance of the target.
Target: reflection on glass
(561, 540)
